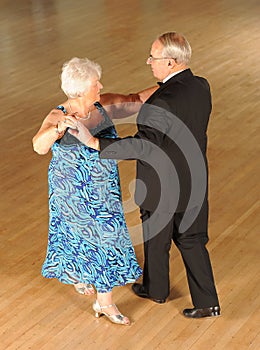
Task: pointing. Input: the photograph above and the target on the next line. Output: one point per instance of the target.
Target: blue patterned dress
(88, 239)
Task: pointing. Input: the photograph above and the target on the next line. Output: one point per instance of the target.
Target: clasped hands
(78, 130)
(70, 121)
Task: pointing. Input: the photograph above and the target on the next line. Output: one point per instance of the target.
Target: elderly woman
(88, 242)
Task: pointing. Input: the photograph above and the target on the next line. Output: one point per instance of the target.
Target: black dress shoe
(198, 313)
(140, 291)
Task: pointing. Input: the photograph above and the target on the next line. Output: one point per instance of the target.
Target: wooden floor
(36, 38)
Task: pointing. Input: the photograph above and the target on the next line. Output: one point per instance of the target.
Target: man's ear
(170, 63)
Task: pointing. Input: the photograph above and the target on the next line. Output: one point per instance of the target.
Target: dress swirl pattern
(88, 240)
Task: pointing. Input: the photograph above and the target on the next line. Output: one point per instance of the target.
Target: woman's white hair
(77, 74)
(176, 46)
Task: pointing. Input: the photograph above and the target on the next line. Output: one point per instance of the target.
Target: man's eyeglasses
(150, 59)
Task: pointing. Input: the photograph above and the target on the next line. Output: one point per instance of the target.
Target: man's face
(160, 67)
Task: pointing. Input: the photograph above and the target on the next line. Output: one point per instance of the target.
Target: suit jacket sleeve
(152, 123)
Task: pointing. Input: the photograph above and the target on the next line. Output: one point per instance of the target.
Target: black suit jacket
(170, 145)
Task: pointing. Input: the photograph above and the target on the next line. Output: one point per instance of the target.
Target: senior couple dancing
(88, 243)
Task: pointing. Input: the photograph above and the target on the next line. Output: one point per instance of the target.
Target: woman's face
(93, 94)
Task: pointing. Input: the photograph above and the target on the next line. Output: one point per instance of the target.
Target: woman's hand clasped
(71, 121)
(81, 132)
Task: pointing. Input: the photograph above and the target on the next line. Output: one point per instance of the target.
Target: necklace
(83, 118)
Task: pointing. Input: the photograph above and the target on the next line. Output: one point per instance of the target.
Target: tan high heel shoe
(84, 288)
(118, 319)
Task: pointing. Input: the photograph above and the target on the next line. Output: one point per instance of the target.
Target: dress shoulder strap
(62, 108)
(102, 111)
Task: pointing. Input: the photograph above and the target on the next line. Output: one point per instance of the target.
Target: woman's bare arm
(52, 129)
(145, 94)
(122, 106)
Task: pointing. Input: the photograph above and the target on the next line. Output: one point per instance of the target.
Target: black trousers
(159, 229)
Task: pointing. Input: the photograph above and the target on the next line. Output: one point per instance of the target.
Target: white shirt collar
(171, 75)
